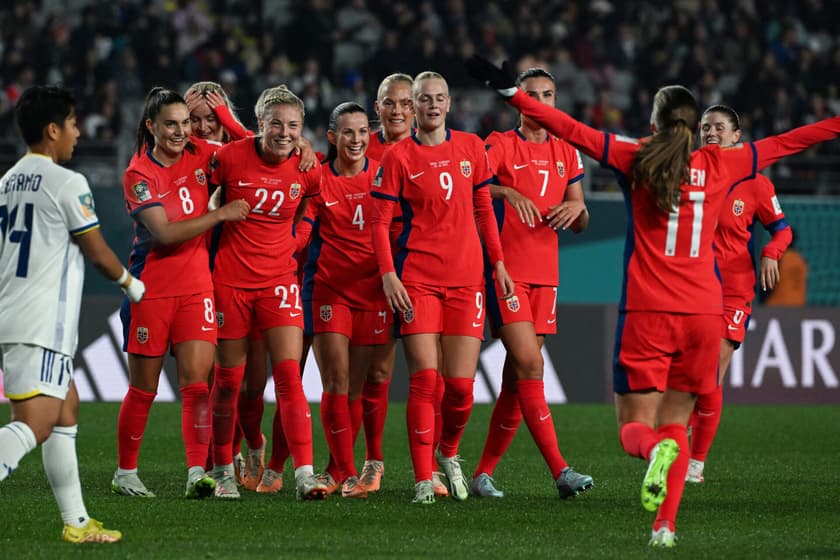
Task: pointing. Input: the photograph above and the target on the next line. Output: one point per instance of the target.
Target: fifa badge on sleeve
(141, 191)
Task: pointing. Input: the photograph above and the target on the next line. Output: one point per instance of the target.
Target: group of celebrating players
(247, 245)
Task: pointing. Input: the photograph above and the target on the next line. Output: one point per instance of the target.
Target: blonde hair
(426, 75)
(204, 88)
(392, 79)
(277, 95)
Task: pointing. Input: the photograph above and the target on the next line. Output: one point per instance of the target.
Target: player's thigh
(332, 354)
(284, 343)
(675, 407)
(637, 407)
(194, 359)
(382, 362)
(521, 344)
(144, 372)
(460, 355)
(361, 357)
(422, 351)
(69, 415)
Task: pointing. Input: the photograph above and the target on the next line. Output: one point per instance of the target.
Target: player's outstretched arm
(166, 232)
(100, 255)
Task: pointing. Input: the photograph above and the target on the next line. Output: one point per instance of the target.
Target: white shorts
(30, 370)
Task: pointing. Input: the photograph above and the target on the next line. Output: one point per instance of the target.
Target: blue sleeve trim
(483, 184)
(776, 226)
(84, 229)
(144, 207)
(575, 179)
(384, 196)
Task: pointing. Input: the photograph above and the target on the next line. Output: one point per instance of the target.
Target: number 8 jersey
(181, 189)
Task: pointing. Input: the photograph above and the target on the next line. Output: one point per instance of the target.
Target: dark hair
(726, 110)
(662, 162)
(40, 106)
(157, 98)
(342, 109)
(533, 73)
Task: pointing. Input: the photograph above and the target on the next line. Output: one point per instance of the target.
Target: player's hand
(133, 287)
(215, 200)
(194, 100)
(768, 273)
(502, 79)
(234, 211)
(527, 210)
(565, 214)
(503, 280)
(307, 155)
(214, 99)
(395, 293)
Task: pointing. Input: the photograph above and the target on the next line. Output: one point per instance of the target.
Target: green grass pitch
(772, 491)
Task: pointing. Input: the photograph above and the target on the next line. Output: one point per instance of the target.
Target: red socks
(279, 447)
(131, 424)
(223, 396)
(440, 388)
(420, 420)
(504, 422)
(338, 431)
(455, 412)
(195, 422)
(250, 414)
(538, 418)
(637, 439)
(676, 476)
(704, 422)
(375, 407)
(294, 411)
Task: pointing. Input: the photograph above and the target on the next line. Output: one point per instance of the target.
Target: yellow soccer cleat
(93, 532)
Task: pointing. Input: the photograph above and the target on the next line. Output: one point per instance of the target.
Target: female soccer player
(211, 114)
(668, 332)
(747, 201)
(539, 175)
(255, 279)
(438, 179)
(351, 326)
(165, 189)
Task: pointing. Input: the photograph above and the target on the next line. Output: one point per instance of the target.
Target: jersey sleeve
(494, 145)
(77, 207)
(773, 148)
(234, 128)
(313, 181)
(140, 190)
(577, 168)
(384, 196)
(303, 229)
(771, 216)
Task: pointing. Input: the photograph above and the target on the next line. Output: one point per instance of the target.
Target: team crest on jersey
(513, 303)
(220, 319)
(408, 316)
(738, 207)
(87, 205)
(326, 313)
(141, 191)
(200, 177)
(466, 168)
(561, 169)
(142, 335)
(294, 190)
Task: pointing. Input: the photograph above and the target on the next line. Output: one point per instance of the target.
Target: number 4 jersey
(41, 269)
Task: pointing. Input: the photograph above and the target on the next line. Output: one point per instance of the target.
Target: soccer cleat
(93, 532)
(424, 493)
(328, 481)
(310, 487)
(271, 482)
(695, 471)
(238, 467)
(455, 481)
(570, 483)
(483, 487)
(200, 486)
(663, 538)
(655, 484)
(371, 475)
(353, 488)
(226, 488)
(254, 466)
(130, 485)
(438, 485)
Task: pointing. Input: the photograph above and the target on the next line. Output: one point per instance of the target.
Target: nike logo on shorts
(294, 314)
(206, 329)
(477, 324)
(378, 331)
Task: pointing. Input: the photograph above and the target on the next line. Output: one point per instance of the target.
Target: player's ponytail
(157, 98)
(662, 163)
(342, 109)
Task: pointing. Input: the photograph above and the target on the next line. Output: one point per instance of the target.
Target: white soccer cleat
(459, 488)
(695, 471)
(663, 538)
(130, 485)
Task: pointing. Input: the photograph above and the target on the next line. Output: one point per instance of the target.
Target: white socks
(62, 468)
(16, 440)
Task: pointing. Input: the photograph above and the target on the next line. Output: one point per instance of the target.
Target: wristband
(124, 279)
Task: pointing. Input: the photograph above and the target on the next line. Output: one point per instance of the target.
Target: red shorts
(444, 310)
(657, 350)
(736, 315)
(530, 302)
(362, 327)
(240, 310)
(156, 323)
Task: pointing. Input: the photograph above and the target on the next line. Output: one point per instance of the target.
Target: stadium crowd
(778, 61)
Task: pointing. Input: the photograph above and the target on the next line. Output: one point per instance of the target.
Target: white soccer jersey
(42, 205)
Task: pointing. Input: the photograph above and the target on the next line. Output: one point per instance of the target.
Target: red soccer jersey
(377, 146)
(746, 202)
(541, 172)
(443, 196)
(669, 256)
(258, 251)
(181, 189)
(340, 266)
